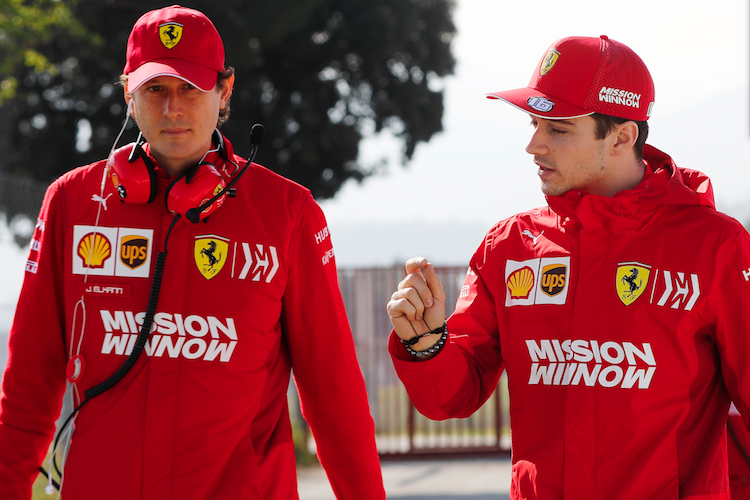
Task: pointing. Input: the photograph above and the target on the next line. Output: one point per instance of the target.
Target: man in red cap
(179, 365)
(619, 311)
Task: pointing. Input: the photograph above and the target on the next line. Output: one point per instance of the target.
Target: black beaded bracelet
(437, 331)
(432, 351)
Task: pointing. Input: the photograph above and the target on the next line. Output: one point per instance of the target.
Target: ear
(129, 102)
(624, 137)
(225, 91)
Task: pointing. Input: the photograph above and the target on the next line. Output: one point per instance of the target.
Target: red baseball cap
(579, 76)
(174, 41)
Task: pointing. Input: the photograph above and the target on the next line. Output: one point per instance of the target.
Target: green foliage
(25, 27)
(300, 434)
(318, 74)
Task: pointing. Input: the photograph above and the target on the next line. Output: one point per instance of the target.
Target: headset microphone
(256, 138)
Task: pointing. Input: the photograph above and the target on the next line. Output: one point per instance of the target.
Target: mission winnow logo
(207, 338)
(575, 362)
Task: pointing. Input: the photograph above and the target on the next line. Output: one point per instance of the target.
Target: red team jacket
(623, 326)
(203, 414)
(738, 449)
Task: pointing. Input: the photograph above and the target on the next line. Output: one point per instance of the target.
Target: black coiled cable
(128, 364)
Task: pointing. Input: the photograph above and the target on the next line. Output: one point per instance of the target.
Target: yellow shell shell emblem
(94, 249)
(549, 61)
(170, 34)
(520, 283)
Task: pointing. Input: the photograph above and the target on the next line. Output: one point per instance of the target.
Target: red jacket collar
(223, 159)
(664, 183)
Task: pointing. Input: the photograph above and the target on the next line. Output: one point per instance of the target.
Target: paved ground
(458, 479)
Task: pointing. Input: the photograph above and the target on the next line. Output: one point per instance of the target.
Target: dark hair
(606, 124)
(224, 113)
(223, 75)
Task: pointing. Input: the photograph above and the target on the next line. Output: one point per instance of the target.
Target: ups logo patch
(554, 277)
(133, 250)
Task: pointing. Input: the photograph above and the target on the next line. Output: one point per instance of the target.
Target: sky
(477, 172)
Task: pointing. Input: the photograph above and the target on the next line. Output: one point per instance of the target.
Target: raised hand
(418, 305)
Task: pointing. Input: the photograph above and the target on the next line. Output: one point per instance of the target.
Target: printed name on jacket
(192, 337)
(569, 363)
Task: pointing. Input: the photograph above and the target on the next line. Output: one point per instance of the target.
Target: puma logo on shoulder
(101, 200)
(528, 233)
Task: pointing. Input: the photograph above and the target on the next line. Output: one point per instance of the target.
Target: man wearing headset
(248, 292)
(620, 311)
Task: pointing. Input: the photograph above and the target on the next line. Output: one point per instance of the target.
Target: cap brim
(198, 75)
(539, 104)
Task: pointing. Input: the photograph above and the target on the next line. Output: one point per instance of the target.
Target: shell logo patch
(170, 34)
(210, 252)
(520, 283)
(631, 280)
(549, 62)
(543, 280)
(94, 249)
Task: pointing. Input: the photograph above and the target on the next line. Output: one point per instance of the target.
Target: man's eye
(558, 131)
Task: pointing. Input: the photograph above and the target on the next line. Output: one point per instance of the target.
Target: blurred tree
(318, 74)
(26, 28)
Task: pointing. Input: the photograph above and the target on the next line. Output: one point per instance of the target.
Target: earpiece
(195, 195)
(132, 173)
(195, 188)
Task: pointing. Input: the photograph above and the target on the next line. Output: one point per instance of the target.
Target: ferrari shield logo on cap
(170, 34)
(210, 254)
(549, 62)
(631, 280)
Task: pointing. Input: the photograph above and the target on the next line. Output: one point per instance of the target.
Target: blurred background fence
(400, 429)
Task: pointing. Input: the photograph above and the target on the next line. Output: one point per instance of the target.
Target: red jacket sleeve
(732, 333)
(738, 447)
(462, 376)
(34, 379)
(326, 371)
